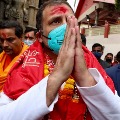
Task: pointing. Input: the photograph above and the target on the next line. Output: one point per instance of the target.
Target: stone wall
(23, 11)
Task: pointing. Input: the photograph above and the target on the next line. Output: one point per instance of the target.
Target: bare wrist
(86, 80)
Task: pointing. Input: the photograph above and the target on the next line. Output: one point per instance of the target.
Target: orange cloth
(5, 65)
(25, 73)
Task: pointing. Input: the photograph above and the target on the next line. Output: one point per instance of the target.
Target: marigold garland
(69, 90)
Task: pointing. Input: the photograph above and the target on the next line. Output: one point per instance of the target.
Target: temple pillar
(33, 8)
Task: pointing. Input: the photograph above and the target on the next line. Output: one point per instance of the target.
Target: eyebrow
(54, 17)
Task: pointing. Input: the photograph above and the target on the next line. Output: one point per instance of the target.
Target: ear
(38, 36)
(40, 40)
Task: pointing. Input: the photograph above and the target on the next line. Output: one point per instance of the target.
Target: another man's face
(109, 57)
(11, 44)
(29, 36)
(97, 49)
(54, 16)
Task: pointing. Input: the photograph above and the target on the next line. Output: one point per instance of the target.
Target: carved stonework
(33, 8)
(3, 4)
(23, 11)
(11, 11)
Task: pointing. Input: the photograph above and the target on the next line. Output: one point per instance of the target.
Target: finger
(72, 41)
(75, 20)
(79, 50)
(67, 29)
(79, 41)
(70, 24)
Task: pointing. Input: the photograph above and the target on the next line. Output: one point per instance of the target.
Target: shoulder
(113, 68)
(104, 64)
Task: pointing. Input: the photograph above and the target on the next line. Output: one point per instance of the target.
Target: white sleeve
(29, 106)
(101, 102)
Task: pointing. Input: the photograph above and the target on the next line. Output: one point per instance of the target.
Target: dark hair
(29, 29)
(43, 6)
(98, 45)
(12, 24)
(109, 54)
(118, 56)
(83, 39)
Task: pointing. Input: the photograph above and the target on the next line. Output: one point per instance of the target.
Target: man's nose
(28, 38)
(5, 43)
(65, 20)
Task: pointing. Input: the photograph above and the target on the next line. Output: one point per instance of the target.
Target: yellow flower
(70, 81)
(46, 66)
(69, 86)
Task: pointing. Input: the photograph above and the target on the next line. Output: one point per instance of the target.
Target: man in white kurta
(41, 98)
(101, 102)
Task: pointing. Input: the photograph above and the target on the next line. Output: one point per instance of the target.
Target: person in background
(61, 77)
(114, 73)
(11, 33)
(109, 58)
(83, 39)
(115, 62)
(29, 35)
(97, 50)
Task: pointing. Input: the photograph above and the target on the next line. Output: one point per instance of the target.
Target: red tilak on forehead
(28, 35)
(4, 35)
(58, 9)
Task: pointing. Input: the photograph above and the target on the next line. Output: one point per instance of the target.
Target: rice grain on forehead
(39, 15)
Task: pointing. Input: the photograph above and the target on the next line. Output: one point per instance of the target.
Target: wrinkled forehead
(57, 9)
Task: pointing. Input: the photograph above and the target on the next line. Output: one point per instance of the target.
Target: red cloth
(22, 77)
(92, 62)
(26, 72)
(66, 109)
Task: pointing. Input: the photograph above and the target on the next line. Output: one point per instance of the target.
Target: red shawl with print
(29, 70)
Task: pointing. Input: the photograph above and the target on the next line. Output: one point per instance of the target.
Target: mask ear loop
(46, 37)
(40, 34)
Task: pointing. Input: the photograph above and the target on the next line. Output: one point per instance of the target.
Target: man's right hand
(64, 63)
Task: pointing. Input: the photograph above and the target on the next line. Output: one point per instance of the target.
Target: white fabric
(29, 106)
(102, 103)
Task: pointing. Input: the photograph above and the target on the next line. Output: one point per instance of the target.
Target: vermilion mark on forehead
(4, 35)
(28, 35)
(58, 9)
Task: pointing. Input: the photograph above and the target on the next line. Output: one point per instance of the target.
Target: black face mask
(108, 60)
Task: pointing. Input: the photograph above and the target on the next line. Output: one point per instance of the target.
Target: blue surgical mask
(97, 55)
(56, 38)
(28, 42)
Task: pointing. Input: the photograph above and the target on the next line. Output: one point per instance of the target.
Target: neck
(50, 53)
(13, 56)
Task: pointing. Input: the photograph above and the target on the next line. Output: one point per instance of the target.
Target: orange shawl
(5, 65)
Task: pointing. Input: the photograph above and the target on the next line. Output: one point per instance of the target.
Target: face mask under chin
(56, 38)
